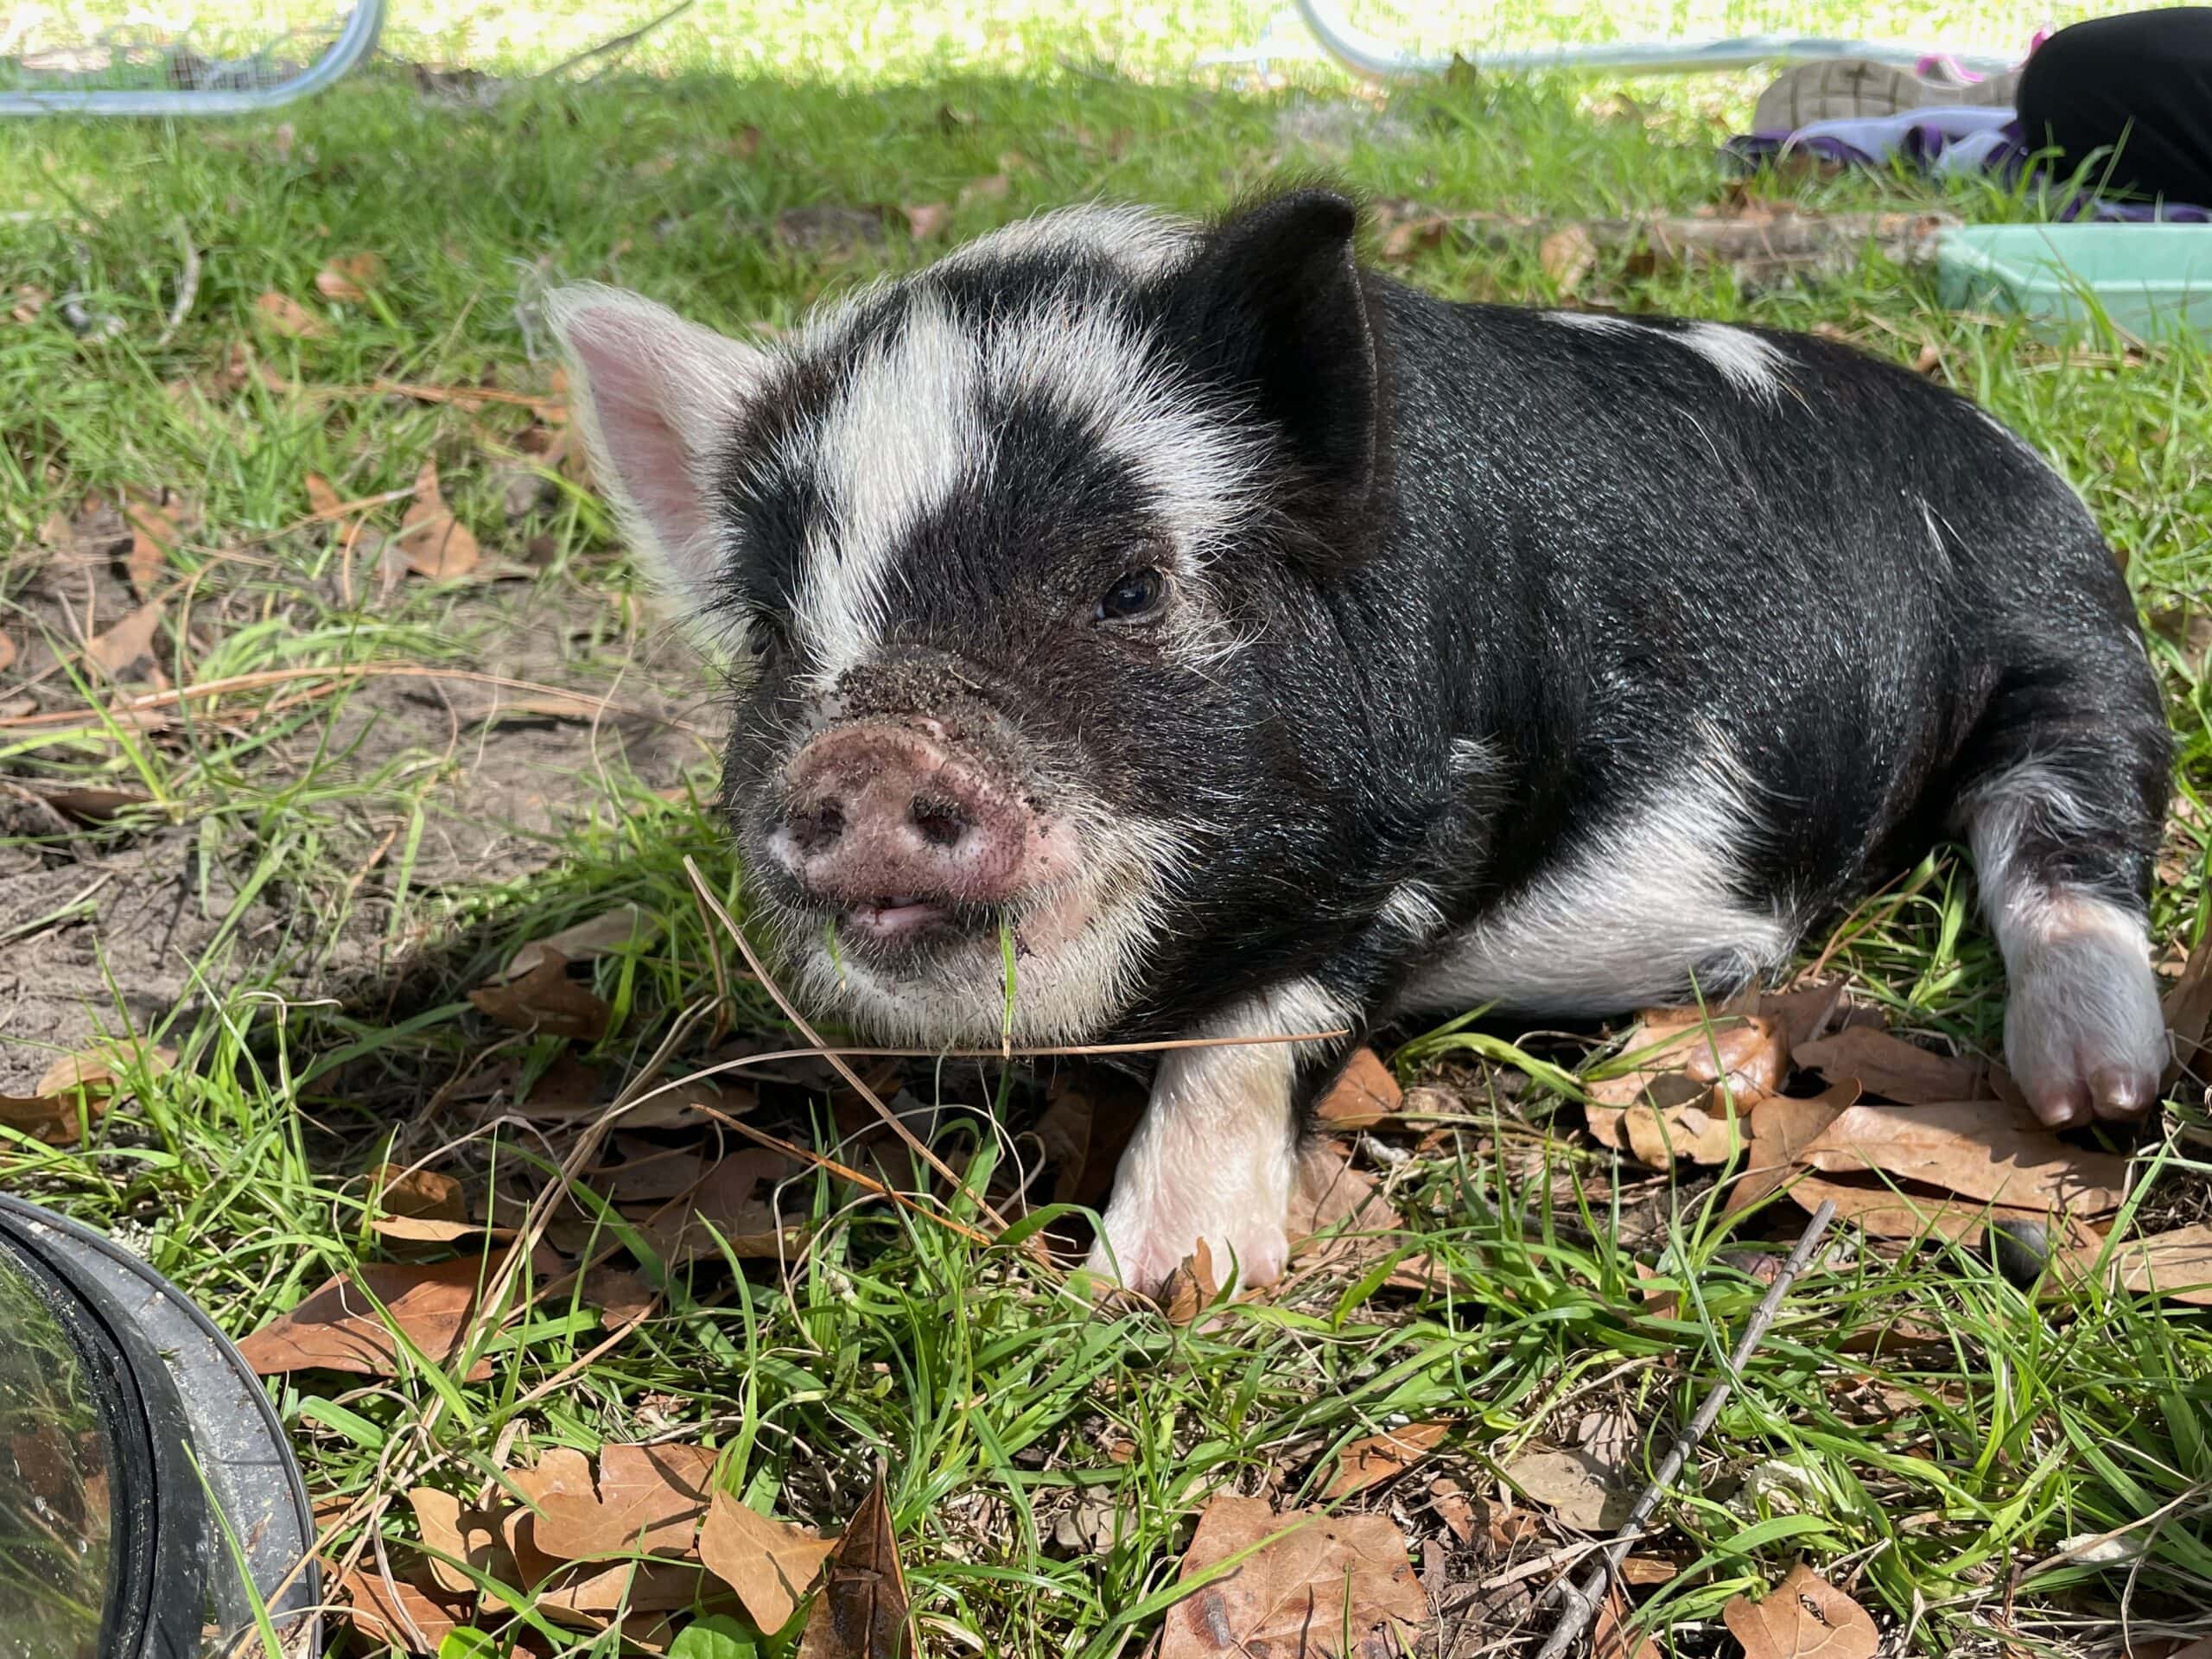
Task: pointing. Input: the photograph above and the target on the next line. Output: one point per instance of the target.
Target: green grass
(306, 861)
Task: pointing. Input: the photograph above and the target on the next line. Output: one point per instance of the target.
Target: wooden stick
(1583, 1599)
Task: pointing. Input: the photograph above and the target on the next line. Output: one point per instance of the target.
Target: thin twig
(1583, 1599)
(187, 286)
(618, 43)
(760, 972)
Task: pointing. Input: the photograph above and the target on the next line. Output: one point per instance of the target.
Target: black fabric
(2131, 97)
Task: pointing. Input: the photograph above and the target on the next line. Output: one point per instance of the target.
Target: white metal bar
(1368, 54)
(354, 42)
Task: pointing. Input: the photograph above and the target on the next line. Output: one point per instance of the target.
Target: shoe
(1857, 89)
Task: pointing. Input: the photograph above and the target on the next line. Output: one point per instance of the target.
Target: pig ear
(657, 398)
(1278, 305)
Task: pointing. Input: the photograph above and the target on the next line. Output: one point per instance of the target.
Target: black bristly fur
(1586, 548)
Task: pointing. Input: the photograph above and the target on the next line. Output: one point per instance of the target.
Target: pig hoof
(2083, 1033)
(1144, 1251)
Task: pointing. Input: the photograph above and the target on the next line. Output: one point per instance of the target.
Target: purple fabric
(1945, 143)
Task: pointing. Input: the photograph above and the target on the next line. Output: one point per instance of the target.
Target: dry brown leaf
(926, 219)
(1376, 1457)
(486, 1539)
(737, 1202)
(994, 188)
(545, 1000)
(1687, 1067)
(1314, 1577)
(861, 1612)
(1364, 1095)
(411, 1616)
(586, 941)
(2177, 1265)
(586, 1598)
(26, 301)
(126, 644)
(349, 278)
(155, 529)
(1882, 1211)
(1191, 1289)
(770, 1563)
(323, 501)
(287, 317)
(1608, 1637)
(1567, 256)
(1332, 1197)
(95, 805)
(1804, 1616)
(1896, 1069)
(2189, 1010)
(1976, 1148)
(433, 543)
(645, 1500)
(425, 1193)
(97, 1069)
(337, 1327)
(8, 653)
(1408, 238)
(1806, 1012)
(1781, 1126)
(1583, 1491)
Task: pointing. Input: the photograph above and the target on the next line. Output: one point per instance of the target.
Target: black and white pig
(1263, 646)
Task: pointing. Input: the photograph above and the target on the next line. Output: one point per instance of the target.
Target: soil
(107, 921)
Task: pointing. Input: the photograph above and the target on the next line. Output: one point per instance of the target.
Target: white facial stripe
(1752, 365)
(901, 438)
(1082, 358)
(1137, 240)
(1628, 916)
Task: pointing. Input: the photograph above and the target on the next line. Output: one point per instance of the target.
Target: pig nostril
(941, 822)
(814, 827)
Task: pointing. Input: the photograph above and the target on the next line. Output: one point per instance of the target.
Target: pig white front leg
(1217, 1154)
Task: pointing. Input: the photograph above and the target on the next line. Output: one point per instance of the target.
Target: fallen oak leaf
(76, 1090)
(642, 1499)
(1375, 1459)
(1364, 1095)
(1584, 1490)
(432, 542)
(770, 1563)
(1898, 1070)
(1684, 1068)
(586, 941)
(338, 1326)
(1781, 1126)
(545, 1000)
(458, 1537)
(349, 277)
(155, 529)
(1804, 1616)
(861, 1612)
(287, 317)
(1978, 1149)
(1567, 256)
(1191, 1289)
(1306, 1581)
(402, 1611)
(126, 644)
(323, 501)
(2187, 1010)
(96, 806)
(9, 652)
(102, 1069)
(735, 1208)
(2176, 1265)
(1886, 1211)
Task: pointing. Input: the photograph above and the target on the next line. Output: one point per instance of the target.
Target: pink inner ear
(655, 405)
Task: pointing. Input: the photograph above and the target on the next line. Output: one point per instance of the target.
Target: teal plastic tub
(2149, 279)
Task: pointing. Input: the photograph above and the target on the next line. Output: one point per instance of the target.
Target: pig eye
(1136, 597)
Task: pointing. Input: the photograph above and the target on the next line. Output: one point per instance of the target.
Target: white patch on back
(1627, 915)
(902, 436)
(1597, 322)
(1472, 754)
(1753, 365)
(1139, 241)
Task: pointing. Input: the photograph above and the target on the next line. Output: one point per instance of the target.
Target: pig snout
(892, 826)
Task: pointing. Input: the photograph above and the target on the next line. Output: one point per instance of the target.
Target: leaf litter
(1309, 1578)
